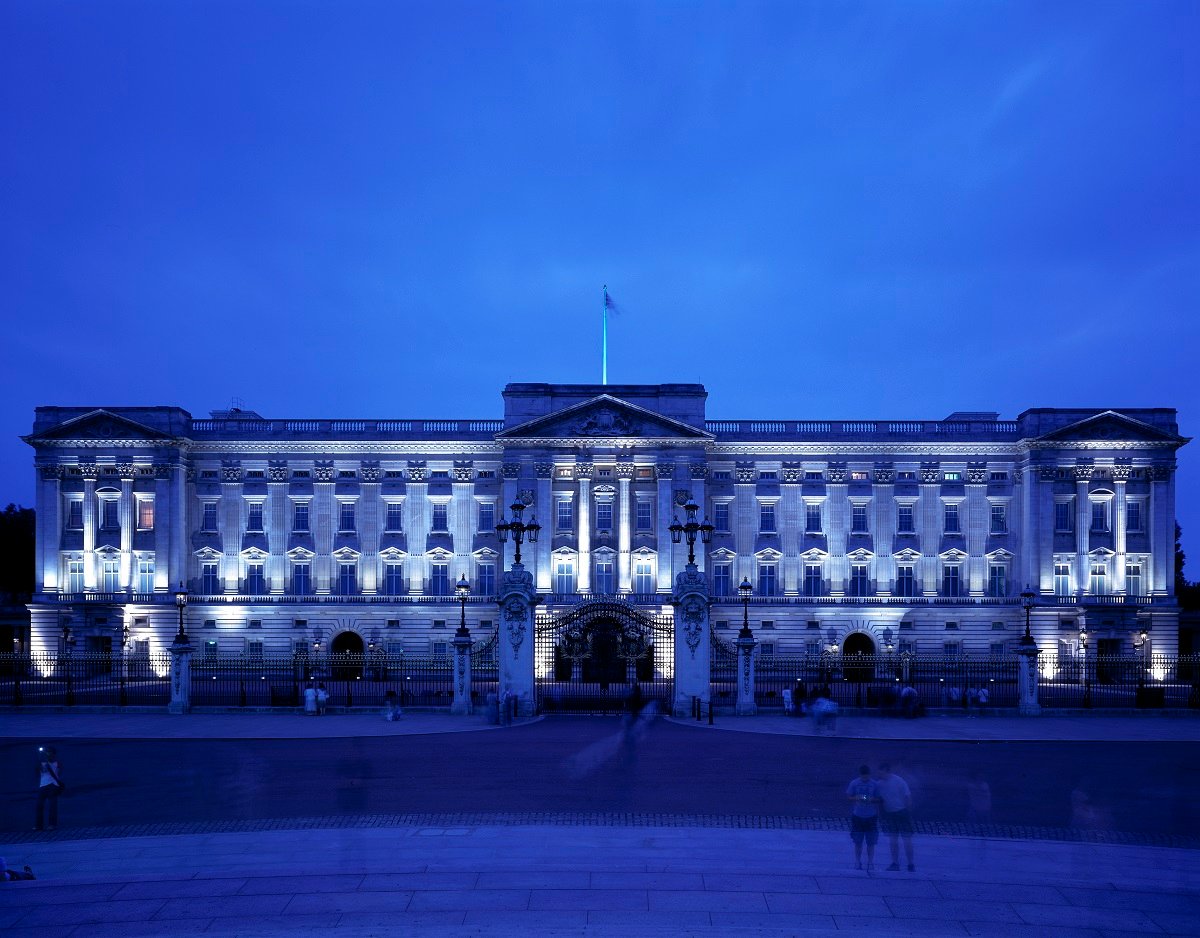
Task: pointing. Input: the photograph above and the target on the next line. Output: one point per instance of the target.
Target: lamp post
(68, 647)
(124, 633)
(1087, 682)
(519, 530)
(1027, 599)
(745, 645)
(689, 529)
(745, 591)
(181, 600)
(462, 589)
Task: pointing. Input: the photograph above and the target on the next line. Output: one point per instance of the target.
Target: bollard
(696, 708)
(710, 713)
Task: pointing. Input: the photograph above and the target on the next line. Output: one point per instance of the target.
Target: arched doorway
(858, 645)
(346, 656)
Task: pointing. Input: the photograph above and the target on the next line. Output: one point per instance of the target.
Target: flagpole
(604, 340)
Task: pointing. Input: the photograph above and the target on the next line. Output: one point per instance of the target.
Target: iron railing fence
(875, 681)
(1120, 681)
(85, 679)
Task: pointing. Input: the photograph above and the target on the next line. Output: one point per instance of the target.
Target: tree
(16, 553)
(1186, 594)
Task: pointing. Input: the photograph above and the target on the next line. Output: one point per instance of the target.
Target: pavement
(606, 875)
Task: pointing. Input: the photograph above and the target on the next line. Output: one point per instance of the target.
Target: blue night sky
(820, 210)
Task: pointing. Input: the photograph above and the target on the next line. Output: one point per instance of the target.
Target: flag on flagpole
(609, 305)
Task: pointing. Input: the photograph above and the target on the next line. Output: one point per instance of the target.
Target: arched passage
(346, 656)
(858, 644)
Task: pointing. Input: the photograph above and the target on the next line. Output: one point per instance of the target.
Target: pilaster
(624, 472)
(583, 518)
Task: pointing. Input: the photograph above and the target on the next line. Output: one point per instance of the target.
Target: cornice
(352, 447)
(602, 442)
(917, 449)
(1099, 445)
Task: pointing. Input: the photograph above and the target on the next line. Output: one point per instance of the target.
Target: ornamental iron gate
(587, 660)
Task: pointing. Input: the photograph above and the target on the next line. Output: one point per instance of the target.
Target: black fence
(1120, 682)
(85, 680)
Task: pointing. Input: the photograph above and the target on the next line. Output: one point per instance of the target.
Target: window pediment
(300, 553)
(862, 555)
(346, 554)
(254, 553)
(208, 553)
(723, 554)
(392, 553)
(908, 555)
(439, 553)
(953, 555)
(769, 553)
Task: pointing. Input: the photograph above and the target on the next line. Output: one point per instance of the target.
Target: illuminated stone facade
(915, 534)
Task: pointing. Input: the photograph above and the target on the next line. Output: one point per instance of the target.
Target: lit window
(393, 579)
(1133, 579)
(145, 514)
(999, 520)
(300, 517)
(951, 519)
(997, 580)
(721, 516)
(859, 476)
(1098, 584)
(643, 577)
(1062, 579)
(74, 576)
(605, 584)
(564, 576)
(440, 517)
(904, 520)
(813, 582)
(395, 517)
(953, 477)
(1063, 516)
(145, 572)
(766, 518)
(110, 576)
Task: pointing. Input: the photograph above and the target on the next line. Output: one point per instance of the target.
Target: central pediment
(1109, 425)
(603, 417)
(100, 424)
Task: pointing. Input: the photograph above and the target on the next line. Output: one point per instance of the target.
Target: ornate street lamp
(1087, 681)
(462, 589)
(519, 530)
(1027, 599)
(124, 632)
(181, 600)
(745, 591)
(68, 648)
(1140, 643)
(690, 529)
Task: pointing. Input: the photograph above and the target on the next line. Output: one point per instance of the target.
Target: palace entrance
(858, 646)
(587, 660)
(346, 657)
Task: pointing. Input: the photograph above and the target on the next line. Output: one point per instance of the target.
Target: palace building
(918, 534)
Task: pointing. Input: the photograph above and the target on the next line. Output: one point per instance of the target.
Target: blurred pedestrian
(896, 798)
(322, 700)
(979, 799)
(310, 701)
(863, 793)
(909, 702)
(50, 786)
(390, 709)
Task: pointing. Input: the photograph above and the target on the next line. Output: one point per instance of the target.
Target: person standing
(897, 815)
(322, 700)
(50, 786)
(310, 701)
(863, 793)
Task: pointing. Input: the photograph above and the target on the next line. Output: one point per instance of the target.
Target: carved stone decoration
(793, 472)
(931, 472)
(163, 470)
(690, 580)
(417, 470)
(1122, 471)
(49, 473)
(603, 421)
(89, 471)
(126, 471)
(885, 473)
(515, 615)
(693, 622)
(323, 470)
(682, 497)
(543, 470)
(464, 470)
(836, 472)
(1047, 473)
(624, 470)
(525, 497)
(510, 470)
(277, 470)
(698, 471)
(231, 470)
(584, 470)
(1159, 473)
(664, 471)
(369, 471)
(744, 472)
(191, 474)
(976, 473)
(1084, 472)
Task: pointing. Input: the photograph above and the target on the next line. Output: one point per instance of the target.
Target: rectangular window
(1098, 584)
(347, 579)
(254, 646)
(564, 516)
(210, 650)
(996, 649)
(564, 577)
(393, 579)
(860, 584)
(998, 477)
(1063, 517)
(74, 576)
(487, 516)
(440, 520)
(256, 581)
(999, 520)
(722, 576)
(951, 519)
(951, 580)
(394, 519)
(768, 475)
(952, 476)
(766, 519)
(604, 516)
(859, 476)
(997, 580)
(300, 517)
(906, 475)
(858, 519)
(109, 518)
(813, 476)
(645, 515)
(813, 581)
(254, 514)
(1062, 579)
(1133, 579)
(812, 649)
(951, 649)
(346, 516)
(301, 579)
(1133, 516)
(1100, 516)
(208, 516)
(110, 576)
(605, 583)
(145, 514)
(643, 577)
(145, 573)
(210, 579)
(904, 520)
(439, 579)
(766, 579)
(75, 513)
(721, 516)
(906, 582)
(812, 519)
(485, 579)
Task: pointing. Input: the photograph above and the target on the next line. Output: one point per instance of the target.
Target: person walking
(50, 786)
(863, 793)
(896, 798)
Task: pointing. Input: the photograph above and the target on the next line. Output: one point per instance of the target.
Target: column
(1162, 530)
(583, 576)
(179, 534)
(1121, 474)
(698, 473)
(539, 553)
(1083, 522)
(49, 531)
(277, 522)
(164, 555)
(624, 472)
(668, 553)
(127, 521)
(90, 474)
(462, 522)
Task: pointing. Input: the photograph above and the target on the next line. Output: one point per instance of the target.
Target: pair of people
(316, 699)
(868, 795)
